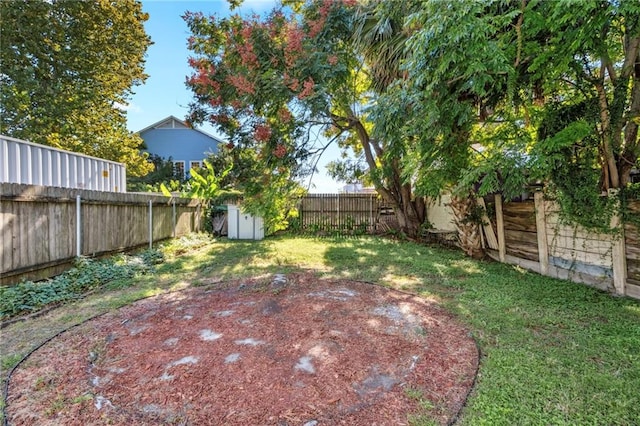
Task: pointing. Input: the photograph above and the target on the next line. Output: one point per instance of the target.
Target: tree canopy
(492, 96)
(466, 97)
(547, 90)
(66, 69)
(271, 83)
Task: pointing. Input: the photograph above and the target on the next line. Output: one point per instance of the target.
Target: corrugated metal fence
(43, 228)
(343, 212)
(34, 164)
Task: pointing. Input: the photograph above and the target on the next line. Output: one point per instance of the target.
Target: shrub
(86, 275)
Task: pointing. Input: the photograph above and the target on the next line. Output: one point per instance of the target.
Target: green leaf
(66, 65)
(165, 191)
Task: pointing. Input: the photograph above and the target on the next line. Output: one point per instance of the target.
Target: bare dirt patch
(291, 350)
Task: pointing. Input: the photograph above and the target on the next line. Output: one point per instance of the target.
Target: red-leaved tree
(271, 83)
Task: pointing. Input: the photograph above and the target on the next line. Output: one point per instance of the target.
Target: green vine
(589, 209)
(568, 156)
(86, 275)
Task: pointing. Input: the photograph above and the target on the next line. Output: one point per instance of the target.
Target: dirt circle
(282, 350)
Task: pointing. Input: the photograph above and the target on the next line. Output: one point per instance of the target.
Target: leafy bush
(86, 275)
(164, 173)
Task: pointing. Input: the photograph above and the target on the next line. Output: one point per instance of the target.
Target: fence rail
(43, 228)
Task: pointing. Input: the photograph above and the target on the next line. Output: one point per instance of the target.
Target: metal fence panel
(33, 164)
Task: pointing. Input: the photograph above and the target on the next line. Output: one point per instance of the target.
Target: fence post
(487, 227)
(338, 216)
(150, 224)
(502, 248)
(78, 226)
(198, 221)
(173, 217)
(541, 232)
(371, 228)
(618, 249)
(301, 213)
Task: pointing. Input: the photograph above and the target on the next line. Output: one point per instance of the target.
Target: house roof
(184, 123)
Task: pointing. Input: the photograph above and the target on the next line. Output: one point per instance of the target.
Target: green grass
(421, 417)
(553, 352)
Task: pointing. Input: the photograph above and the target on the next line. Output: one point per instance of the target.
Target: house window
(178, 169)
(194, 165)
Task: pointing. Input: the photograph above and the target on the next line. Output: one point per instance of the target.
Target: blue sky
(164, 92)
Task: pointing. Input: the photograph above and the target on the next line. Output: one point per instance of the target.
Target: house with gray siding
(173, 138)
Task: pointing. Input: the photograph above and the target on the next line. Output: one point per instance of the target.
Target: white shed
(243, 226)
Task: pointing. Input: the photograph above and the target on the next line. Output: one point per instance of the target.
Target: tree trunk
(410, 214)
(410, 211)
(468, 228)
(607, 147)
(631, 151)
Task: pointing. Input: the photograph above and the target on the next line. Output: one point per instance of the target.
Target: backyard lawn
(552, 352)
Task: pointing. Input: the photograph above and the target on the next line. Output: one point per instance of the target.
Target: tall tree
(270, 83)
(590, 56)
(488, 86)
(379, 37)
(66, 69)
(446, 70)
(467, 82)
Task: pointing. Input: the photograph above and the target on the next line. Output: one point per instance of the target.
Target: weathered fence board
(633, 266)
(632, 242)
(605, 261)
(520, 223)
(520, 230)
(597, 244)
(632, 247)
(634, 206)
(346, 212)
(526, 224)
(38, 226)
(581, 256)
(526, 237)
(522, 251)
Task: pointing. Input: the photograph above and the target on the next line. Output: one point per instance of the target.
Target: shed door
(246, 227)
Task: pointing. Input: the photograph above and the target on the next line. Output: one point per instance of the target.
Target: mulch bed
(283, 350)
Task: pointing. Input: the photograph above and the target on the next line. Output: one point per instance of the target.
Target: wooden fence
(520, 230)
(531, 235)
(344, 212)
(632, 249)
(44, 228)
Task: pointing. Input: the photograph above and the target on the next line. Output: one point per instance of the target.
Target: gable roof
(170, 123)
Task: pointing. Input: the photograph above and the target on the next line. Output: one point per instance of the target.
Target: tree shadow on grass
(406, 265)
